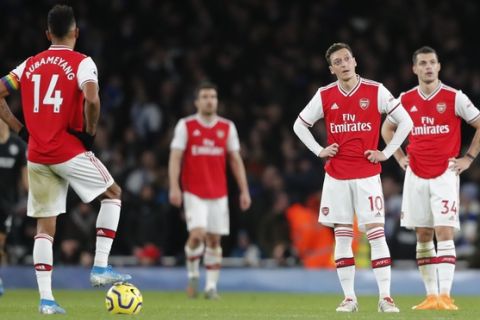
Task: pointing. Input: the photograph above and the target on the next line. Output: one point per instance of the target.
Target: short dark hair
(424, 49)
(204, 85)
(60, 19)
(334, 48)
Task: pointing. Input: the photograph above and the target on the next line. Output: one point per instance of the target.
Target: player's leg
(46, 199)
(106, 230)
(446, 260)
(213, 263)
(336, 210)
(345, 264)
(416, 214)
(196, 215)
(445, 209)
(381, 265)
(90, 180)
(427, 265)
(369, 206)
(194, 250)
(218, 224)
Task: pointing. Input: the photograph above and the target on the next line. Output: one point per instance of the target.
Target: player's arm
(88, 83)
(92, 107)
(92, 114)
(238, 170)
(312, 112)
(394, 109)
(388, 130)
(8, 84)
(9, 118)
(465, 109)
(174, 167)
(177, 149)
(405, 124)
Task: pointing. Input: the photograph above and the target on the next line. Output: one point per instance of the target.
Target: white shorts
(48, 184)
(342, 198)
(430, 202)
(209, 214)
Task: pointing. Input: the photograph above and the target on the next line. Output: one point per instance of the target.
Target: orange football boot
(445, 302)
(430, 303)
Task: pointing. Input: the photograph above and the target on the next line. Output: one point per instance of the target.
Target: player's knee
(113, 192)
(424, 234)
(213, 241)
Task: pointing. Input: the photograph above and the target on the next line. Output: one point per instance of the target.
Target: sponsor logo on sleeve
(325, 211)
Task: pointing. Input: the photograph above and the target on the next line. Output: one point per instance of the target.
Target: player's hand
(175, 197)
(84, 137)
(459, 165)
(23, 134)
(245, 201)
(404, 162)
(329, 151)
(375, 156)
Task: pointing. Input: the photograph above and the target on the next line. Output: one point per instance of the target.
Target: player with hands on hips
(432, 167)
(351, 108)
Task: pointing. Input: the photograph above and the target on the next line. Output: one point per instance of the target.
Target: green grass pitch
(89, 304)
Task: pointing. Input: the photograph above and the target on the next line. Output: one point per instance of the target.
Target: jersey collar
(352, 91)
(59, 47)
(205, 123)
(431, 95)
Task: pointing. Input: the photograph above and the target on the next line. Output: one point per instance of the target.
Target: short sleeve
(233, 143)
(18, 71)
(313, 111)
(87, 71)
(386, 101)
(464, 108)
(179, 140)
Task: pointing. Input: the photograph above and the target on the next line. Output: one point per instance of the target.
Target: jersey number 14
(52, 96)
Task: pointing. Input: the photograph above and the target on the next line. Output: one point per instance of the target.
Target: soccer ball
(123, 298)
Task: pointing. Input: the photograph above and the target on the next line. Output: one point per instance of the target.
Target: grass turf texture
(23, 304)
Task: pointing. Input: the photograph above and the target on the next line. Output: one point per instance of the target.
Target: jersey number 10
(52, 97)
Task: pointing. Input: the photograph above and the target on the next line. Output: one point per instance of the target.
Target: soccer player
(61, 106)
(12, 170)
(199, 151)
(431, 186)
(352, 108)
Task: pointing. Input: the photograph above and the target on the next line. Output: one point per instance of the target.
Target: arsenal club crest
(364, 103)
(220, 134)
(441, 107)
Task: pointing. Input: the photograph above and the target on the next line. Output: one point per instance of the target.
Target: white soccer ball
(124, 298)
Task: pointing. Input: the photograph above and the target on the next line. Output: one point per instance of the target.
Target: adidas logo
(378, 214)
(335, 107)
(413, 109)
(100, 232)
(196, 133)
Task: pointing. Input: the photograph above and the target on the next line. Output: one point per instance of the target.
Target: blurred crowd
(267, 57)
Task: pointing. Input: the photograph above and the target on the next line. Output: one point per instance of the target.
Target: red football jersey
(204, 161)
(353, 121)
(436, 131)
(52, 102)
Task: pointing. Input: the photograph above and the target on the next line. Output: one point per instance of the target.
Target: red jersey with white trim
(52, 101)
(353, 121)
(205, 149)
(436, 132)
